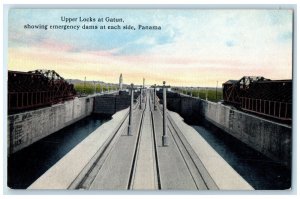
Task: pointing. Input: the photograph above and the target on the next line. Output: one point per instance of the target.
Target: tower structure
(120, 82)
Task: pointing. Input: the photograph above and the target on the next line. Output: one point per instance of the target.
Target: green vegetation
(89, 88)
(202, 92)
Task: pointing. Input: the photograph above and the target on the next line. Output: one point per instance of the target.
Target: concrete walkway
(145, 174)
(140, 162)
(115, 172)
(174, 173)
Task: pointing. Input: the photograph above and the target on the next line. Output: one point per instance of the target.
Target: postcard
(150, 99)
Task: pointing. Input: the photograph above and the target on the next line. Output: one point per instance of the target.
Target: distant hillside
(78, 81)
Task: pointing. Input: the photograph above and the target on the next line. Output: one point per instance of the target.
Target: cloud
(285, 36)
(278, 17)
(230, 43)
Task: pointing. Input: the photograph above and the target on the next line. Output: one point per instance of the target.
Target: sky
(195, 47)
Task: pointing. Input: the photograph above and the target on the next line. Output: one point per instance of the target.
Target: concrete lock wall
(270, 138)
(28, 127)
(104, 105)
(110, 104)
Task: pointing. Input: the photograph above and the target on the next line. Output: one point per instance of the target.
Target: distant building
(121, 82)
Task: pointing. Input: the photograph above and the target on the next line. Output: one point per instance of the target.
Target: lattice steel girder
(36, 88)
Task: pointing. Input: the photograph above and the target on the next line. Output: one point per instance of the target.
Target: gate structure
(29, 90)
(272, 98)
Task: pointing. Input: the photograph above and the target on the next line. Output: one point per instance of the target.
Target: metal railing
(275, 109)
(21, 100)
(26, 100)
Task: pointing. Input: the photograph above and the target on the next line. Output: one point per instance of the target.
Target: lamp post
(130, 111)
(165, 141)
(84, 85)
(217, 91)
(154, 97)
(141, 97)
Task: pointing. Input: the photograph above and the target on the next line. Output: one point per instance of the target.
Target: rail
(27, 100)
(275, 109)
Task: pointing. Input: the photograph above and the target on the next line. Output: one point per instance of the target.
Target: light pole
(130, 111)
(154, 97)
(141, 97)
(217, 92)
(165, 137)
(165, 140)
(84, 85)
